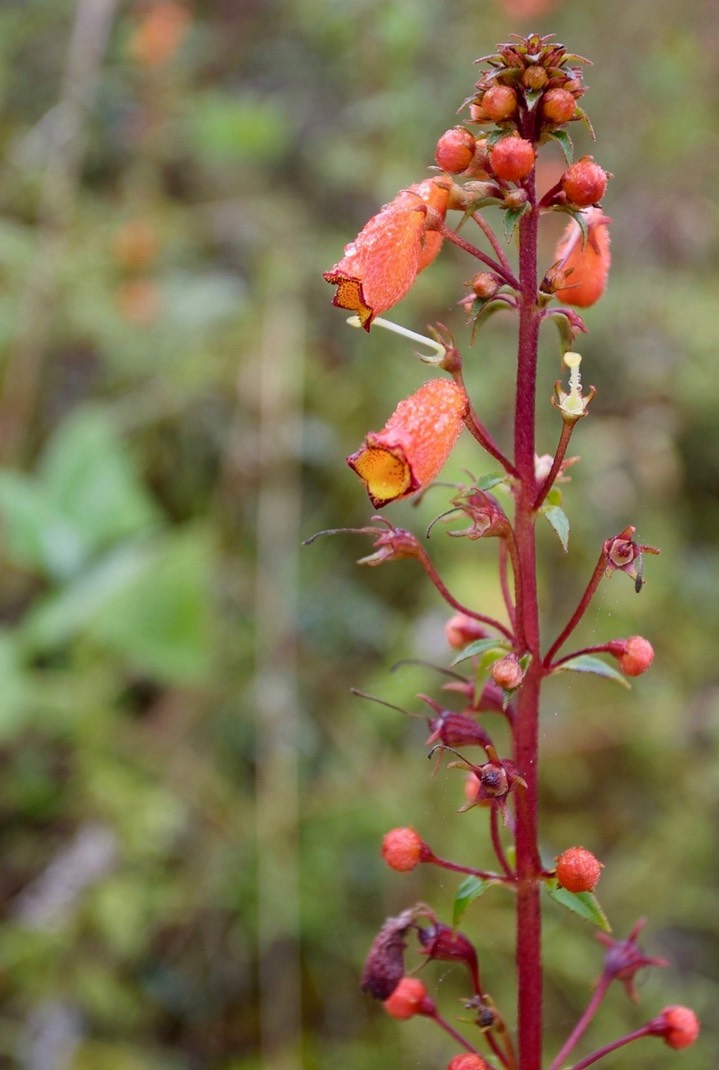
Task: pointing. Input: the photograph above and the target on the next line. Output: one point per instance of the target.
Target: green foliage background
(191, 802)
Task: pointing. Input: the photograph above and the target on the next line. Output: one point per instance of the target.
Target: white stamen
(437, 350)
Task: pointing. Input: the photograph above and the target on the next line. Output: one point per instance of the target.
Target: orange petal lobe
(586, 267)
(410, 451)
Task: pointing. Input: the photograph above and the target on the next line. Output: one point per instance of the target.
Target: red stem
(581, 1026)
(495, 243)
(579, 611)
(497, 843)
(644, 1031)
(526, 742)
(431, 571)
(453, 236)
(567, 428)
(483, 874)
(443, 1024)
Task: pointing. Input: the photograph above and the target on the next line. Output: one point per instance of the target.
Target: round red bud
(584, 183)
(499, 103)
(558, 106)
(468, 1061)
(455, 150)
(681, 1026)
(409, 998)
(578, 870)
(507, 672)
(402, 849)
(637, 657)
(535, 77)
(461, 629)
(485, 285)
(512, 158)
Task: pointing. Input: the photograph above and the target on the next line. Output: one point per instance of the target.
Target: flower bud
(558, 106)
(535, 77)
(678, 1025)
(444, 944)
(584, 183)
(455, 150)
(499, 103)
(402, 849)
(461, 630)
(512, 158)
(578, 870)
(507, 672)
(468, 1061)
(409, 998)
(485, 285)
(384, 965)
(635, 654)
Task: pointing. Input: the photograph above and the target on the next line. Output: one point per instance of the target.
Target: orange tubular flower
(584, 268)
(379, 267)
(414, 444)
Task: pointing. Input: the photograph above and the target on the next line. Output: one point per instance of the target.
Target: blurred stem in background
(66, 126)
(279, 364)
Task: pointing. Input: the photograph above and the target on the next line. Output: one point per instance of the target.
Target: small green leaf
(585, 904)
(579, 218)
(588, 663)
(565, 143)
(469, 890)
(559, 521)
(487, 309)
(567, 330)
(511, 218)
(492, 479)
(480, 646)
(532, 96)
(494, 136)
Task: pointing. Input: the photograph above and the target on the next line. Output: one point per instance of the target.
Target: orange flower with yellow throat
(379, 267)
(411, 449)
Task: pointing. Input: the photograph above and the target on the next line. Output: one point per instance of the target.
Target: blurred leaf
(89, 478)
(36, 534)
(148, 602)
(585, 904)
(14, 691)
(225, 128)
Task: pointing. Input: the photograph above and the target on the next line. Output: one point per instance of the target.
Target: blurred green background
(192, 801)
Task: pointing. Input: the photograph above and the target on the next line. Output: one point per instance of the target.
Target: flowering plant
(528, 94)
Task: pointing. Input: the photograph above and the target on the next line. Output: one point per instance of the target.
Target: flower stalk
(526, 96)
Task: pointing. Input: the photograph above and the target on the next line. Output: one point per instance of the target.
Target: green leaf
(565, 143)
(585, 904)
(567, 330)
(532, 96)
(147, 602)
(559, 521)
(470, 889)
(87, 475)
(36, 534)
(480, 646)
(492, 479)
(588, 663)
(488, 308)
(511, 219)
